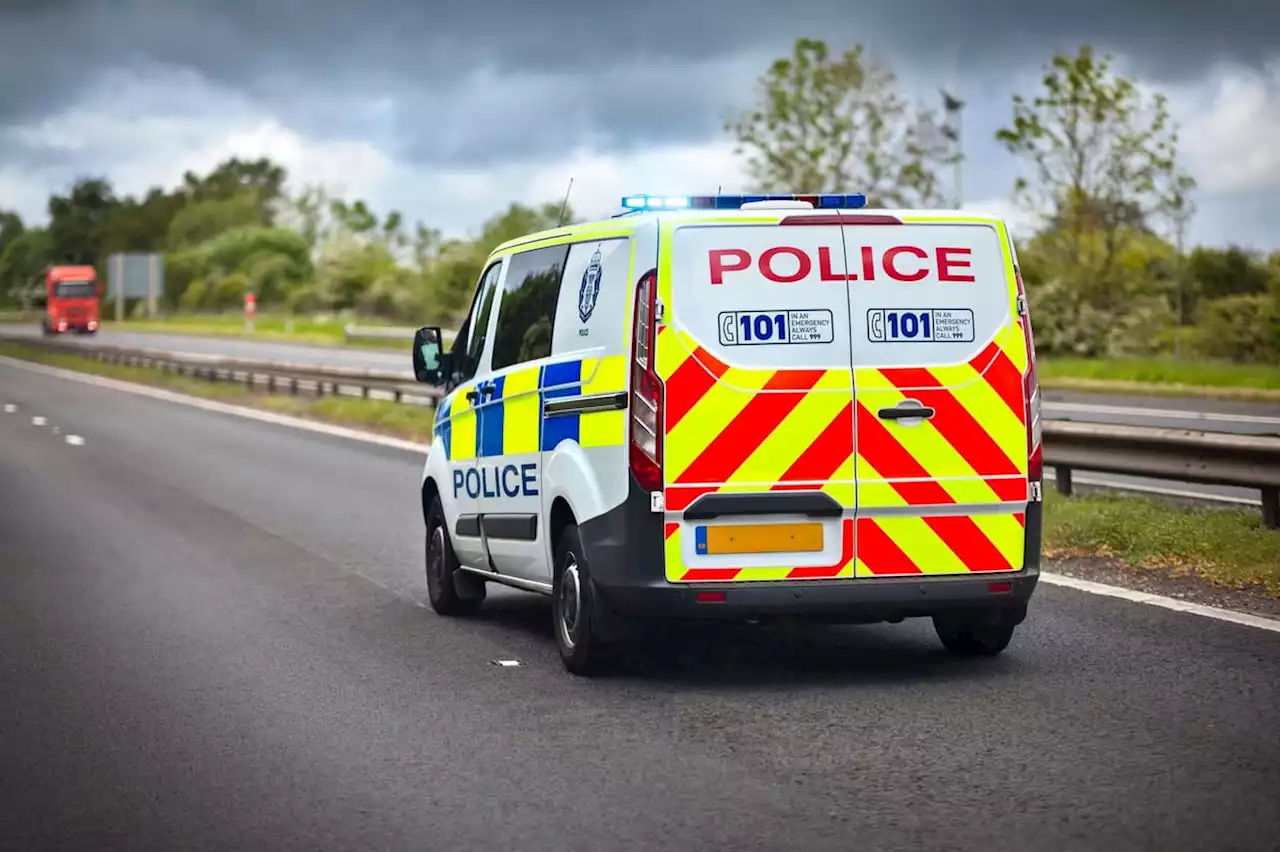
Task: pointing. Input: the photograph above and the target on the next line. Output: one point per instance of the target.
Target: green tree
(199, 221)
(25, 259)
(262, 178)
(1102, 158)
(79, 220)
(838, 123)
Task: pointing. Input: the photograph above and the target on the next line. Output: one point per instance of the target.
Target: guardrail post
(1271, 507)
(1062, 480)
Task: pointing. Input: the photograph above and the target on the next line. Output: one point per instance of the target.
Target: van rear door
(754, 352)
(941, 436)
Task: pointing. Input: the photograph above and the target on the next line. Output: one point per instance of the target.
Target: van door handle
(906, 410)
(487, 390)
(473, 396)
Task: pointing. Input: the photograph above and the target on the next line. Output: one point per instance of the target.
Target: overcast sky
(450, 109)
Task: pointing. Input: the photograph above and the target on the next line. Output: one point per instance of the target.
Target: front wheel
(447, 592)
(982, 635)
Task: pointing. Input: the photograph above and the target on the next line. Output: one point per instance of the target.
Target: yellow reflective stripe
(601, 375)
(521, 412)
(462, 422)
(603, 428)
(672, 558)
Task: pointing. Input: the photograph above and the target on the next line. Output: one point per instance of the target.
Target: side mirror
(428, 356)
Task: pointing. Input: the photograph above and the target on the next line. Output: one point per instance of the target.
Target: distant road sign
(135, 275)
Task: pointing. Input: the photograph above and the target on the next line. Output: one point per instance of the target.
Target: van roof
(909, 215)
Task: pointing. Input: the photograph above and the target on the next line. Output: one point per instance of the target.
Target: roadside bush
(1241, 328)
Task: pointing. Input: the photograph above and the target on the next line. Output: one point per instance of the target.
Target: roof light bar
(825, 201)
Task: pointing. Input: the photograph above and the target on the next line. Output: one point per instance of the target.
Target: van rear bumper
(624, 549)
(863, 600)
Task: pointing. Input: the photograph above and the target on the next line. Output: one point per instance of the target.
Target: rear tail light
(1030, 388)
(646, 389)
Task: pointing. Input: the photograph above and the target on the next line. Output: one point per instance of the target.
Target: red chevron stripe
(690, 383)
(821, 459)
(678, 497)
(710, 575)
(1022, 518)
(669, 529)
(965, 434)
(879, 552)
(968, 542)
(1011, 490)
(755, 422)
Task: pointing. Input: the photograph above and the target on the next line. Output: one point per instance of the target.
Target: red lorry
(73, 295)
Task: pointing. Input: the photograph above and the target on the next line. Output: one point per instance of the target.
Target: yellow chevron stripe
(674, 561)
(675, 346)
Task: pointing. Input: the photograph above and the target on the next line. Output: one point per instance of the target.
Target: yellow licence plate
(758, 538)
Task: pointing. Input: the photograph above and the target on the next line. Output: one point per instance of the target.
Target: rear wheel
(975, 635)
(449, 593)
(574, 609)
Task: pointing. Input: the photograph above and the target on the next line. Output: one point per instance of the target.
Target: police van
(741, 407)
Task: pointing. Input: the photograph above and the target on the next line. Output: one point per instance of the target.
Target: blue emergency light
(845, 201)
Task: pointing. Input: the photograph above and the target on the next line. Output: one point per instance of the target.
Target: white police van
(741, 407)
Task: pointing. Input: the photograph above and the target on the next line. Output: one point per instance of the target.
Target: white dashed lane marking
(9, 408)
(75, 440)
(38, 421)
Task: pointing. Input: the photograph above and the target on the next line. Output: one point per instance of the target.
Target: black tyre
(983, 635)
(574, 610)
(448, 592)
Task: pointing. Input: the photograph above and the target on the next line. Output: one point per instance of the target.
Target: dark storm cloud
(624, 73)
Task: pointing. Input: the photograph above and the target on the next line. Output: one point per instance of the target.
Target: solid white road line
(1087, 586)
(1148, 411)
(1214, 612)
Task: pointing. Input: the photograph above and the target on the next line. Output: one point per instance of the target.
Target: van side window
(468, 346)
(527, 315)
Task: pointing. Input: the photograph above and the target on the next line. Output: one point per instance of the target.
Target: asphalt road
(212, 637)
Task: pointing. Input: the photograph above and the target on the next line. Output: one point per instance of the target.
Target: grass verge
(410, 422)
(1223, 547)
(1163, 377)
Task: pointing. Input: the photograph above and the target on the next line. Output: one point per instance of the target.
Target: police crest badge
(589, 292)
